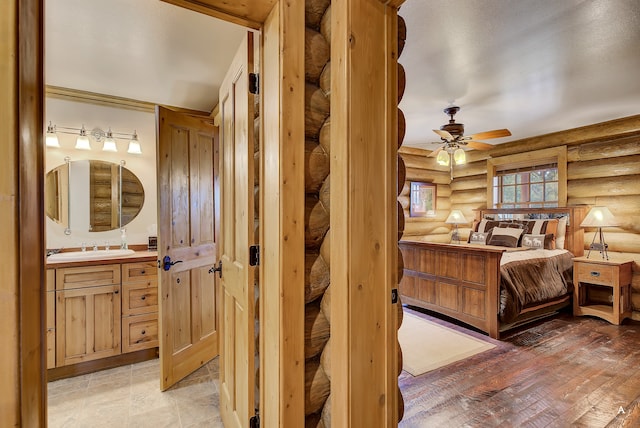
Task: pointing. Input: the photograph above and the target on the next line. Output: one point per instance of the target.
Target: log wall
(317, 189)
(603, 169)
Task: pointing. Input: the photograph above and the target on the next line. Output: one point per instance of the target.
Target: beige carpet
(427, 346)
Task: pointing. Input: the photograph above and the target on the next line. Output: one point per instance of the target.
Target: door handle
(167, 263)
(217, 269)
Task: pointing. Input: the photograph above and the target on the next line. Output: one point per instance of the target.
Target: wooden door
(237, 377)
(187, 172)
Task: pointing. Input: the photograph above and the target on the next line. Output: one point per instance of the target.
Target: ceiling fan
(452, 134)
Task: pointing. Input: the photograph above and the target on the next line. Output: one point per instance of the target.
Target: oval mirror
(92, 195)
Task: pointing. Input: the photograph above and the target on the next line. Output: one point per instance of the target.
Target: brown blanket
(533, 281)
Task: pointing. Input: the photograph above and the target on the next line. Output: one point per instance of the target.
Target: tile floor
(129, 396)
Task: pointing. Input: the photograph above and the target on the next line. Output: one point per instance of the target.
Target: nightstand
(602, 288)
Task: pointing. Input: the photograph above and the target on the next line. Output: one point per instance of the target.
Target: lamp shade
(82, 142)
(599, 217)
(134, 145)
(459, 156)
(443, 158)
(51, 137)
(456, 217)
(109, 143)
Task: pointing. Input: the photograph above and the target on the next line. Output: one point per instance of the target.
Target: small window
(536, 179)
(533, 186)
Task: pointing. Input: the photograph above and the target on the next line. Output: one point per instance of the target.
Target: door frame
(282, 100)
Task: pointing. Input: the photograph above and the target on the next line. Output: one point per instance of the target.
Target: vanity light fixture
(109, 144)
(51, 137)
(82, 142)
(134, 145)
(108, 139)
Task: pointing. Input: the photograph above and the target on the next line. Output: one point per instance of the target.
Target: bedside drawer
(140, 298)
(139, 332)
(132, 272)
(595, 273)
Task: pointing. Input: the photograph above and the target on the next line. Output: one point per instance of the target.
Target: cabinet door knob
(143, 332)
(116, 292)
(595, 273)
(143, 298)
(142, 272)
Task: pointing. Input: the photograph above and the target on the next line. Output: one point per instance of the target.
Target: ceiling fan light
(443, 158)
(459, 157)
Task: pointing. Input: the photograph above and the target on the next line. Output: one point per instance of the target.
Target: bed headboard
(574, 238)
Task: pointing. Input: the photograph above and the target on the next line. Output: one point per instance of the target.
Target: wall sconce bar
(108, 139)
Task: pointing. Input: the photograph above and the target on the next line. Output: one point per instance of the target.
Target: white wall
(75, 114)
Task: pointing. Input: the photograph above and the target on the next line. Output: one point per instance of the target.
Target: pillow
(537, 241)
(479, 238)
(561, 232)
(486, 225)
(505, 236)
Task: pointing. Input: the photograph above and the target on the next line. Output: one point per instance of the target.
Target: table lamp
(455, 218)
(599, 217)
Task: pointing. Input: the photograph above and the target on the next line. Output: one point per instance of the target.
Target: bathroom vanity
(101, 312)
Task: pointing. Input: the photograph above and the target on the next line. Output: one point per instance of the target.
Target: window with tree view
(530, 187)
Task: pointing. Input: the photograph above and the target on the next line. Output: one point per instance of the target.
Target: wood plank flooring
(560, 372)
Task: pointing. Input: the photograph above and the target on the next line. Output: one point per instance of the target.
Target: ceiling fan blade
(496, 133)
(479, 145)
(443, 134)
(434, 153)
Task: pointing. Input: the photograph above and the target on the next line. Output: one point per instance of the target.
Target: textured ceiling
(532, 66)
(144, 49)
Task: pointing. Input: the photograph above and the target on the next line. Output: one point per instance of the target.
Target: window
(527, 187)
(536, 179)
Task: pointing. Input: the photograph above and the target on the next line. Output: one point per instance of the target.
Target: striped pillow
(505, 236)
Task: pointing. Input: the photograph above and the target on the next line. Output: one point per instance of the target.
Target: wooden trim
(554, 154)
(216, 12)
(95, 98)
(10, 250)
(282, 218)
(363, 214)
(32, 332)
(104, 363)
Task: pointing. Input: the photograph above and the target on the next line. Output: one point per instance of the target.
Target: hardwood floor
(562, 371)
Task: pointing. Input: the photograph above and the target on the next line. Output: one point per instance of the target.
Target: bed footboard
(458, 281)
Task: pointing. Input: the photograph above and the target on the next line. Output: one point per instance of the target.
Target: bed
(492, 287)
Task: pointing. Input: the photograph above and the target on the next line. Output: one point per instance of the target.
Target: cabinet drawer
(595, 273)
(87, 276)
(139, 332)
(145, 271)
(140, 298)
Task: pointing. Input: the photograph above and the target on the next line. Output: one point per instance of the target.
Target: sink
(78, 256)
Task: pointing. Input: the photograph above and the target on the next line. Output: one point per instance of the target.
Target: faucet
(95, 247)
(83, 246)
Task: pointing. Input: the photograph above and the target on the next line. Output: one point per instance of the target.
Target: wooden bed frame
(463, 281)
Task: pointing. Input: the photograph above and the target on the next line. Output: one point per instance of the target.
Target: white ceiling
(532, 66)
(146, 50)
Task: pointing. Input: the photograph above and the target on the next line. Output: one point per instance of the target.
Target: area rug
(427, 346)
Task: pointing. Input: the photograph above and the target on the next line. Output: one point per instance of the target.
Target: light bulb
(459, 156)
(443, 158)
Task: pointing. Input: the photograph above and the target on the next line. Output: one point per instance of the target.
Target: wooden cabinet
(99, 311)
(88, 314)
(602, 288)
(139, 306)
